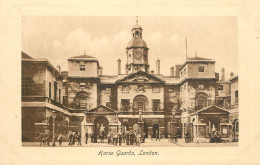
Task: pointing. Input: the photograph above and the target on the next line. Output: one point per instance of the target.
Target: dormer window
(81, 67)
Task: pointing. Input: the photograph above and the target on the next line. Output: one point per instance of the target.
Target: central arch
(101, 123)
(140, 103)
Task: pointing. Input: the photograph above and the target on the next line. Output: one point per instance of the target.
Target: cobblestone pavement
(148, 143)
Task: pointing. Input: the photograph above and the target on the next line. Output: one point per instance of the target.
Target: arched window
(82, 99)
(201, 100)
(137, 34)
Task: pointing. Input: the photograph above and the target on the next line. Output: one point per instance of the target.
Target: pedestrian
(143, 137)
(41, 138)
(73, 138)
(86, 136)
(138, 139)
(60, 139)
(197, 139)
(120, 139)
(151, 134)
(115, 139)
(127, 138)
(132, 138)
(70, 138)
(156, 135)
(79, 138)
(47, 137)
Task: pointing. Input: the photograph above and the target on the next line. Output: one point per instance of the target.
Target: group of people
(134, 137)
(73, 137)
(45, 138)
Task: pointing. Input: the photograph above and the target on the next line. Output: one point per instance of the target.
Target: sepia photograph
(129, 81)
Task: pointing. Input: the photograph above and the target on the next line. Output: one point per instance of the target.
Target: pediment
(140, 77)
(213, 109)
(101, 109)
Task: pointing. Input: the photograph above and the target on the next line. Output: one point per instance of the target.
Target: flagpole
(186, 47)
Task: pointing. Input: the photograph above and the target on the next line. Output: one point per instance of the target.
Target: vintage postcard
(127, 83)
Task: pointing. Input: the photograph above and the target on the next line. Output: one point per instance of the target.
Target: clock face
(138, 55)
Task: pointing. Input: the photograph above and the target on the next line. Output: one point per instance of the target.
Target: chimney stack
(58, 68)
(119, 66)
(231, 74)
(172, 71)
(152, 72)
(100, 71)
(177, 72)
(158, 66)
(223, 74)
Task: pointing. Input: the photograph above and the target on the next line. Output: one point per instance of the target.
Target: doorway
(101, 127)
(155, 128)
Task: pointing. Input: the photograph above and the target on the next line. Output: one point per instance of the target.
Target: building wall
(52, 77)
(192, 70)
(234, 88)
(225, 91)
(108, 94)
(90, 88)
(91, 68)
(148, 92)
(193, 89)
(171, 96)
(33, 79)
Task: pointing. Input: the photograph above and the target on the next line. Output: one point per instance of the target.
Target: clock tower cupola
(137, 52)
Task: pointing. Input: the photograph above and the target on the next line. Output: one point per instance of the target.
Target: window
(55, 90)
(201, 68)
(184, 87)
(170, 106)
(137, 34)
(82, 104)
(81, 67)
(201, 100)
(125, 105)
(50, 90)
(156, 105)
(201, 86)
(236, 96)
(220, 87)
(59, 95)
(184, 70)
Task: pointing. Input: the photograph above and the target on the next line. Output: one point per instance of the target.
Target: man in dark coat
(132, 138)
(127, 138)
(79, 138)
(86, 135)
(70, 138)
(120, 138)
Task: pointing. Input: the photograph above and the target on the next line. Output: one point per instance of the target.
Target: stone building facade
(82, 99)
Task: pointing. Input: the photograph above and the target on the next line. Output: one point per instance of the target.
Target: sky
(57, 38)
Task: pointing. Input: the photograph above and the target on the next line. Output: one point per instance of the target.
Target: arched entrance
(155, 128)
(28, 129)
(140, 103)
(101, 124)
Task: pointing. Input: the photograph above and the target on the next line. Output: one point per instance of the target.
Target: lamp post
(140, 121)
(53, 128)
(172, 123)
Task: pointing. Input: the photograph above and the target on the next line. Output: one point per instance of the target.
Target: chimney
(223, 74)
(100, 71)
(58, 68)
(177, 72)
(158, 66)
(119, 66)
(231, 74)
(152, 72)
(172, 71)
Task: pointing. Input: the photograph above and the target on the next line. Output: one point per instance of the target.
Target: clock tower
(137, 52)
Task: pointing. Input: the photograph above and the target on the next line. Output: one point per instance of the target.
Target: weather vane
(84, 52)
(136, 19)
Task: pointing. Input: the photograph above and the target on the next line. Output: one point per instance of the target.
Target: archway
(140, 103)
(28, 129)
(101, 124)
(156, 127)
